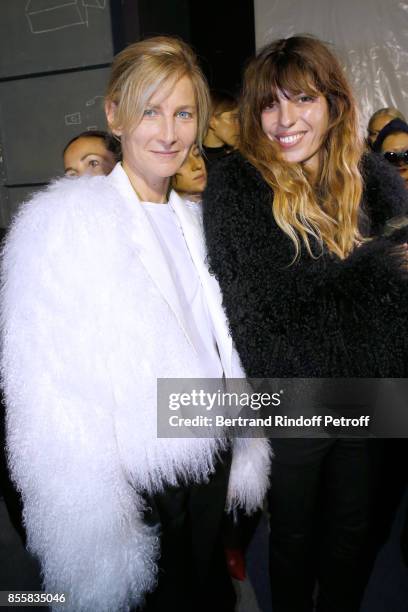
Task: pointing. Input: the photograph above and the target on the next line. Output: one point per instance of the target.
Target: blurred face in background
(376, 125)
(393, 145)
(88, 155)
(191, 178)
(226, 127)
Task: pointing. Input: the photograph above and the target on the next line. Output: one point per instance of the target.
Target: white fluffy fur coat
(86, 333)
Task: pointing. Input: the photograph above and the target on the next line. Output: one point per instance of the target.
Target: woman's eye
(305, 98)
(149, 112)
(93, 163)
(270, 107)
(185, 115)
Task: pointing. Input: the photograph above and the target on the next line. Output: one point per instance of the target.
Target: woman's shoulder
(68, 217)
(66, 194)
(236, 182)
(65, 200)
(234, 169)
(237, 205)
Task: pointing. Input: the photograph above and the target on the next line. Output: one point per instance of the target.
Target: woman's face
(298, 125)
(398, 143)
(192, 176)
(226, 127)
(88, 155)
(158, 145)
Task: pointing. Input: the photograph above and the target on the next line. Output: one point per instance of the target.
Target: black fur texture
(322, 317)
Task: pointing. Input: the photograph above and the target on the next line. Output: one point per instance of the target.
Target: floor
(387, 591)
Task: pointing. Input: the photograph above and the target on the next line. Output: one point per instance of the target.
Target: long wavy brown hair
(326, 208)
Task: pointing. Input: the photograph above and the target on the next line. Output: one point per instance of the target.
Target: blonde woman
(307, 295)
(106, 290)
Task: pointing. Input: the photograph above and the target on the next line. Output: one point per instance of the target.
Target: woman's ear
(110, 111)
(213, 122)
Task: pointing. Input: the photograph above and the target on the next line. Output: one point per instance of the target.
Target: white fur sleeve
(249, 477)
(83, 518)
(251, 464)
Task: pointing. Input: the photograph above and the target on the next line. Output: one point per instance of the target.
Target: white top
(186, 279)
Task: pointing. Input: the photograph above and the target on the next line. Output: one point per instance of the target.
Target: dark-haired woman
(308, 295)
(93, 152)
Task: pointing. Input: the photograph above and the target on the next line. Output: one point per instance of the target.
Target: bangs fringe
(289, 78)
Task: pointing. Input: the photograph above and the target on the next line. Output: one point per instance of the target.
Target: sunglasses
(396, 158)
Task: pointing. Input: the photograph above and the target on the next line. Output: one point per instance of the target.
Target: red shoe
(236, 563)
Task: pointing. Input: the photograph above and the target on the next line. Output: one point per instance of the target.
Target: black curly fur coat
(321, 317)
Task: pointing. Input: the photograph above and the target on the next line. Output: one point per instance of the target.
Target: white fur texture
(249, 478)
(85, 336)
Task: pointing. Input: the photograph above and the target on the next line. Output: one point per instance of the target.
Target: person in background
(93, 152)
(392, 143)
(223, 127)
(191, 178)
(380, 119)
(307, 295)
(105, 290)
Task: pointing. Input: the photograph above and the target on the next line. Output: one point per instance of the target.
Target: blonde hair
(387, 111)
(327, 210)
(141, 69)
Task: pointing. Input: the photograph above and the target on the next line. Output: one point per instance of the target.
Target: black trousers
(404, 539)
(390, 460)
(193, 574)
(319, 503)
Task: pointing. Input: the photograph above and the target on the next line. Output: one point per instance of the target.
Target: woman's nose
(197, 163)
(168, 130)
(288, 113)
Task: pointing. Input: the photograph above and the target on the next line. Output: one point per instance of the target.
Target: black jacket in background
(385, 194)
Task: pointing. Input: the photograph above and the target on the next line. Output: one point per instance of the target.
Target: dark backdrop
(54, 64)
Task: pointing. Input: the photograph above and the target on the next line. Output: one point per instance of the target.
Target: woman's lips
(166, 154)
(287, 141)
